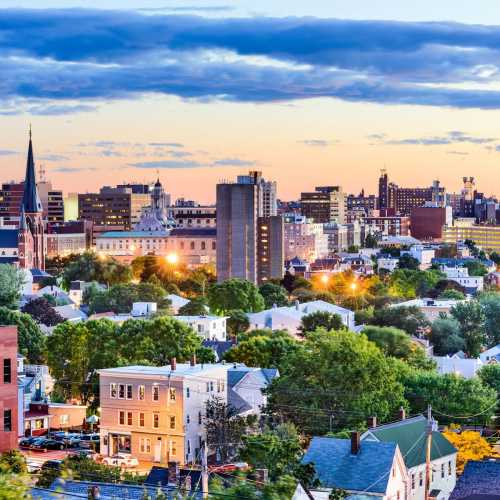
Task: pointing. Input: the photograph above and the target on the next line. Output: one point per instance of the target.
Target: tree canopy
(12, 280)
(410, 319)
(233, 294)
(273, 295)
(321, 319)
(42, 311)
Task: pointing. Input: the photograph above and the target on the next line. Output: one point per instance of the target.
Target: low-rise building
(431, 308)
(67, 238)
(460, 275)
(290, 317)
(465, 367)
(9, 394)
(208, 327)
(387, 263)
(410, 435)
(176, 302)
(491, 355)
(423, 254)
(157, 413)
(304, 239)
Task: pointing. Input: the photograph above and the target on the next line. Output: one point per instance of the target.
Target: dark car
(37, 444)
(26, 442)
(47, 444)
(90, 440)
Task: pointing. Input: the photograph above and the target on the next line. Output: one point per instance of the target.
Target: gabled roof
(237, 402)
(367, 471)
(478, 478)
(238, 373)
(410, 435)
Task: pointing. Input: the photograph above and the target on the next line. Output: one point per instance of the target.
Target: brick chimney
(173, 364)
(193, 360)
(355, 442)
(402, 413)
(372, 422)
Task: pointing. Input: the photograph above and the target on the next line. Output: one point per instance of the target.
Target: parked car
(37, 444)
(27, 442)
(69, 439)
(47, 444)
(90, 441)
(121, 460)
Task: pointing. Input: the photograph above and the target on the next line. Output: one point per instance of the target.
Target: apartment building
(156, 414)
(304, 239)
(207, 327)
(324, 204)
(8, 389)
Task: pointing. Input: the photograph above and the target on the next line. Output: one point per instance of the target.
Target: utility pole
(204, 471)
(428, 470)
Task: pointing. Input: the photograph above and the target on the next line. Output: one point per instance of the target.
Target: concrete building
(324, 204)
(423, 254)
(360, 206)
(267, 193)
(8, 389)
(11, 196)
(189, 214)
(304, 239)
(240, 251)
(460, 275)
(193, 246)
(427, 222)
(67, 238)
(70, 207)
(207, 327)
(457, 365)
(484, 236)
(387, 263)
(156, 414)
(52, 200)
(431, 308)
(388, 225)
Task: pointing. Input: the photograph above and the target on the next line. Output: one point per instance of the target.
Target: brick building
(8, 389)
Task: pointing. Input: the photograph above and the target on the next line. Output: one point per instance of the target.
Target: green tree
(273, 295)
(12, 280)
(195, 307)
(14, 462)
(490, 376)
(321, 319)
(490, 303)
(451, 294)
(262, 348)
(278, 450)
(335, 379)
(42, 312)
(450, 395)
(471, 318)
(406, 261)
(476, 268)
(233, 294)
(446, 336)
(391, 341)
(30, 339)
(410, 319)
(370, 241)
(237, 322)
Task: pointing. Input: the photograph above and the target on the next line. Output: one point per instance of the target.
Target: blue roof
(8, 238)
(202, 231)
(368, 470)
(8, 260)
(133, 234)
(478, 478)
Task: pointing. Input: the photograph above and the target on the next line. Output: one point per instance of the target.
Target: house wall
(67, 416)
(250, 389)
(8, 388)
(397, 480)
(445, 484)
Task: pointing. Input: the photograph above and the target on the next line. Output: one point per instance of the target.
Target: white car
(121, 460)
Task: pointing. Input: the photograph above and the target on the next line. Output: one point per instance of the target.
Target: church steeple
(31, 200)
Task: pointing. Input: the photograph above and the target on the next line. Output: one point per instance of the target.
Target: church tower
(31, 227)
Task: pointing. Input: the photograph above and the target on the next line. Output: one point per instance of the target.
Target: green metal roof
(410, 435)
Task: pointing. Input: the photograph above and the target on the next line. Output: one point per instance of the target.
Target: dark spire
(31, 201)
(23, 225)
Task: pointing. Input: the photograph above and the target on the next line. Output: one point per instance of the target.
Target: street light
(324, 279)
(172, 258)
(354, 286)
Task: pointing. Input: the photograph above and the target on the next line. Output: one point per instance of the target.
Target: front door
(157, 457)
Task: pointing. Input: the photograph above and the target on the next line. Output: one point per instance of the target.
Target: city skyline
(212, 102)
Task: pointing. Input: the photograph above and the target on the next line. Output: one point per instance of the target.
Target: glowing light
(354, 286)
(324, 279)
(172, 258)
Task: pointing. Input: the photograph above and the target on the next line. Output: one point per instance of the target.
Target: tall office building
(11, 196)
(71, 207)
(325, 204)
(267, 198)
(240, 225)
(52, 200)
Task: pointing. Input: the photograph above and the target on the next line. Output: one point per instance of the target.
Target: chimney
(372, 422)
(173, 364)
(355, 442)
(193, 360)
(173, 472)
(297, 305)
(402, 413)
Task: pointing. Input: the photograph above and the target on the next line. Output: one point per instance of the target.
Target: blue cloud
(83, 54)
(452, 137)
(322, 143)
(53, 157)
(168, 164)
(189, 8)
(166, 144)
(8, 152)
(233, 162)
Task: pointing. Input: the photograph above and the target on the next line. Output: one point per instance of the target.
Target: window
(172, 422)
(397, 496)
(7, 420)
(7, 372)
(112, 391)
(173, 449)
(208, 386)
(129, 391)
(203, 245)
(121, 391)
(64, 419)
(172, 394)
(141, 392)
(129, 418)
(394, 472)
(189, 447)
(212, 386)
(124, 444)
(421, 479)
(449, 468)
(156, 420)
(199, 417)
(156, 392)
(141, 419)
(122, 418)
(145, 445)
(188, 419)
(442, 470)
(192, 245)
(187, 392)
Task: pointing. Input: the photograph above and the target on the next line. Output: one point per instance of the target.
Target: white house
(465, 367)
(290, 317)
(490, 356)
(410, 435)
(176, 302)
(245, 387)
(207, 327)
(460, 275)
(143, 309)
(387, 263)
(431, 308)
(423, 254)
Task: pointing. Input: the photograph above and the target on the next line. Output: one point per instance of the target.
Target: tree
(490, 375)
(471, 318)
(490, 303)
(408, 283)
(278, 450)
(14, 462)
(334, 379)
(470, 446)
(476, 268)
(273, 295)
(42, 312)
(237, 323)
(406, 261)
(12, 280)
(321, 319)
(370, 241)
(391, 341)
(451, 294)
(30, 339)
(410, 319)
(495, 257)
(446, 336)
(195, 307)
(233, 294)
(450, 395)
(262, 348)
(225, 428)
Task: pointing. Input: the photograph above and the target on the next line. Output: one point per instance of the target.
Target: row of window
(127, 418)
(7, 420)
(421, 475)
(126, 391)
(7, 371)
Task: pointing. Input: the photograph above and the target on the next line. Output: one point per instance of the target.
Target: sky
(311, 93)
